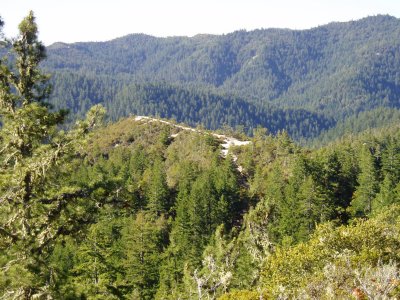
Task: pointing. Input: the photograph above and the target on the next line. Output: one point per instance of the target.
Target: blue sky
(100, 20)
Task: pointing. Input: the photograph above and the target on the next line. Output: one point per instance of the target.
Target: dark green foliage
(143, 242)
(190, 105)
(290, 67)
(213, 110)
(358, 123)
(160, 202)
(367, 182)
(322, 80)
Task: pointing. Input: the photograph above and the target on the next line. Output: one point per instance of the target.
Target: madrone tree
(36, 207)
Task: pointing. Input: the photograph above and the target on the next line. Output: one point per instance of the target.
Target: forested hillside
(185, 104)
(163, 215)
(334, 72)
(144, 208)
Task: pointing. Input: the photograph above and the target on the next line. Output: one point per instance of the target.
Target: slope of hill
(172, 213)
(377, 118)
(190, 105)
(337, 70)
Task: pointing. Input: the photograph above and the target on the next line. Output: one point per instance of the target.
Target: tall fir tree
(143, 239)
(362, 202)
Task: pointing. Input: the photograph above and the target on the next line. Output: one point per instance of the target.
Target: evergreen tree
(157, 193)
(143, 240)
(364, 195)
(339, 174)
(179, 250)
(391, 159)
(289, 217)
(33, 212)
(387, 194)
(98, 262)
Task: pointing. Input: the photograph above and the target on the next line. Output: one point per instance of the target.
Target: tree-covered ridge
(324, 68)
(331, 72)
(364, 121)
(212, 109)
(190, 105)
(177, 219)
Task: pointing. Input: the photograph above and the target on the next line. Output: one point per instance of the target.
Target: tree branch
(9, 234)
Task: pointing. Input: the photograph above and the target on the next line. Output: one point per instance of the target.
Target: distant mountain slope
(348, 67)
(337, 70)
(362, 122)
(190, 105)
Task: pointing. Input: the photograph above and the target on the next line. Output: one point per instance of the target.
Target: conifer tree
(143, 240)
(33, 213)
(157, 189)
(391, 159)
(367, 184)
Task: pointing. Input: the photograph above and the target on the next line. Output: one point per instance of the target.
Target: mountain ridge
(337, 70)
(201, 35)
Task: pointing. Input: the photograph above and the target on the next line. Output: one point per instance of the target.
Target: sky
(100, 20)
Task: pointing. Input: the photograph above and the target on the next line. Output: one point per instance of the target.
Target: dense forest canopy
(144, 208)
(327, 74)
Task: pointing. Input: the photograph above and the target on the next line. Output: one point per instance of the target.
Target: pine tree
(314, 206)
(181, 242)
(33, 213)
(339, 180)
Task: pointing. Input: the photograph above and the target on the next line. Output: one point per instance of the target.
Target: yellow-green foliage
(241, 295)
(336, 261)
(128, 131)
